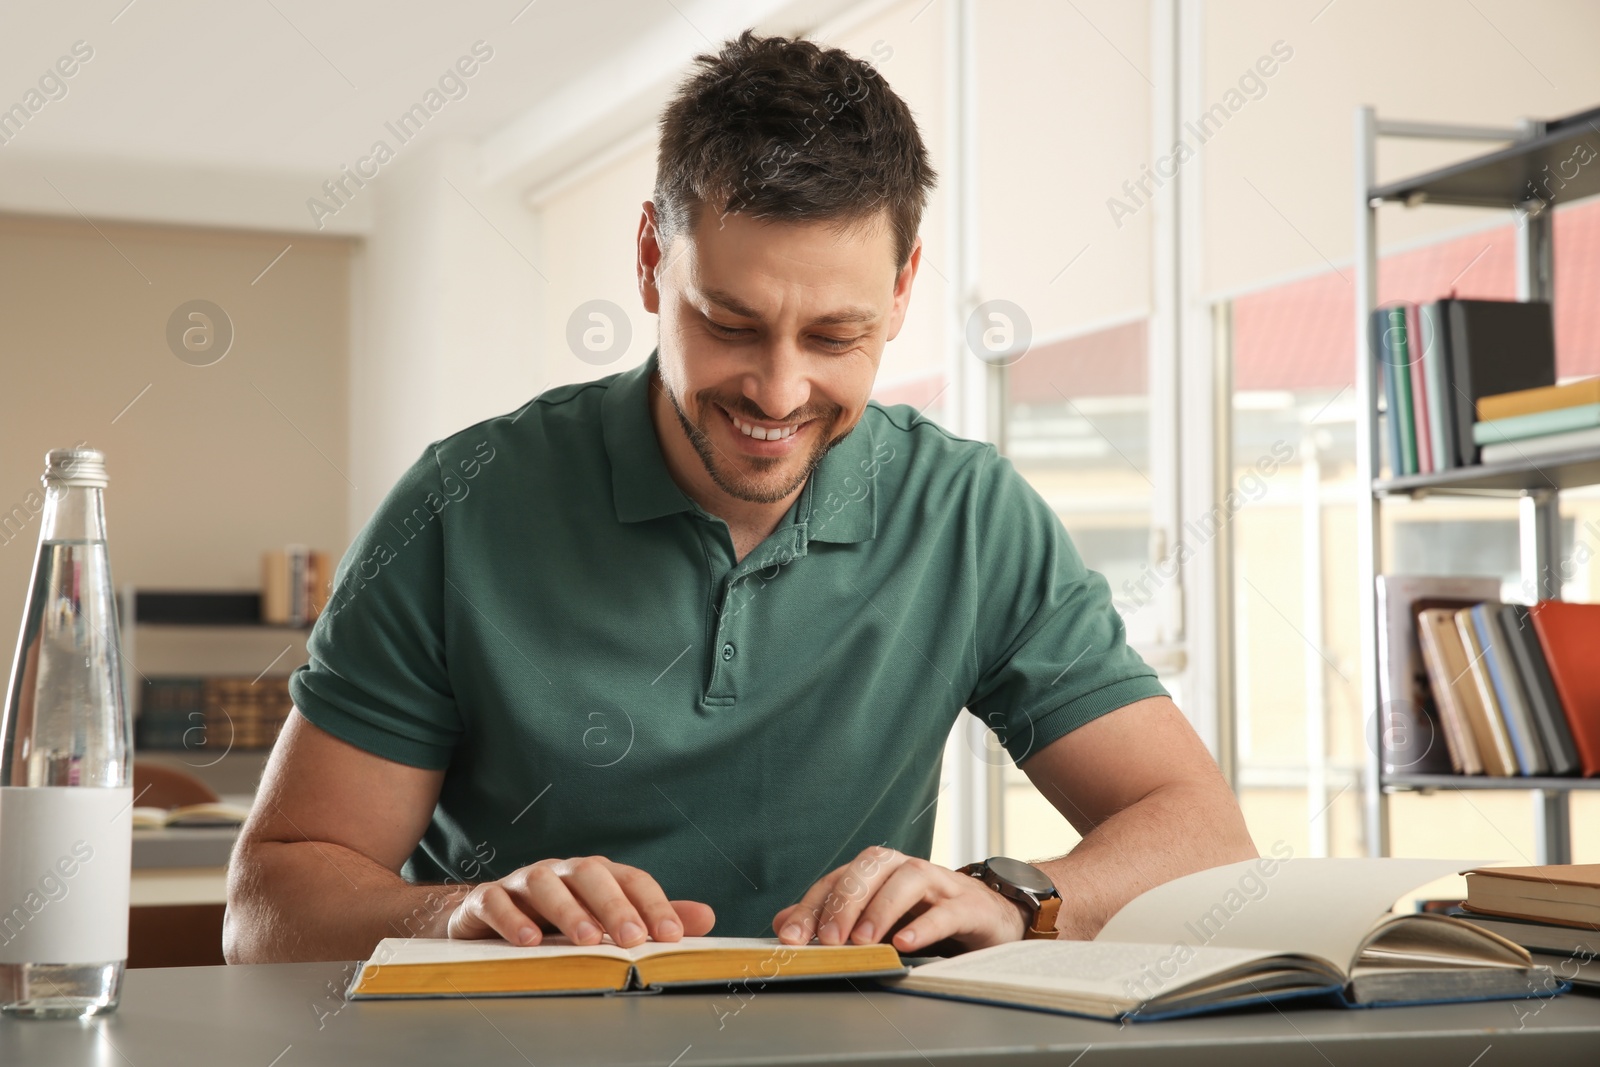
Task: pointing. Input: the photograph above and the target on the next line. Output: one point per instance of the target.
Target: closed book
(1412, 735)
(1508, 692)
(297, 583)
(1543, 703)
(1377, 323)
(1397, 364)
(1558, 938)
(1565, 894)
(1478, 700)
(1435, 370)
(321, 581)
(1496, 346)
(1534, 447)
(1419, 392)
(1538, 424)
(1545, 398)
(1446, 661)
(1570, 637)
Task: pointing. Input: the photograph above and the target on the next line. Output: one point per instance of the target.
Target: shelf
(1558, 470)
(1397, 782)
(203, 608)
(1516, 173)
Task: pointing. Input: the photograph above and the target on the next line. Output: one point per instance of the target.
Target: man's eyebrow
(730, 303)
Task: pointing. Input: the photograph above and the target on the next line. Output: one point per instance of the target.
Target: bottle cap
(75, 466)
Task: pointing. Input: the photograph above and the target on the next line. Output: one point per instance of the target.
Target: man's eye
(836, 344)
(725, 331)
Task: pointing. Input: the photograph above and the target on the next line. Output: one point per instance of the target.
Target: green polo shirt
(537, 609)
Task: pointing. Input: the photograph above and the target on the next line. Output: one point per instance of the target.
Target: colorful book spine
(1537, 424)
(1397, 359)
(1436, 370)
(1532, 447)
(1544, 398)
(1419, 392)
(1508, 693)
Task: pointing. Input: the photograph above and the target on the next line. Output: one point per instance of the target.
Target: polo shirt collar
(838, 504)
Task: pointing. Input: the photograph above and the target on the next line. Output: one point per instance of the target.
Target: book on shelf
(213, 813)
(1537, 424)
(1495, 347)
(1437, 360)
(1545, 398)
(1544, 705)
(168, 709)
(1414, 732)
(211, 713)
(1446, 662)
(1419, 392)
(1395, 362)
(1430, 332)
(1239, 934)
(1507, 690)
(441, 967)
(1483, 708)
(1562, 894)
(1569, 634)
(1534, 447)
(295, 583)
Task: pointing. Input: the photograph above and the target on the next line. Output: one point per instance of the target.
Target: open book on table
(1258, 930)
(439, 967)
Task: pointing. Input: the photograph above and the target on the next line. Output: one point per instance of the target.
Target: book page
(1319, 907)
(408, 950)
(1117, 971)
(691, 944)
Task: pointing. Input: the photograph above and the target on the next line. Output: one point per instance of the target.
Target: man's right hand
(582, 898)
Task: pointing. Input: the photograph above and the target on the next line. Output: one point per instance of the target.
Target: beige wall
(1489, 63)
(212, 464)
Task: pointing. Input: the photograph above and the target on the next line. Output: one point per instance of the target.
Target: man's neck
(749, 523)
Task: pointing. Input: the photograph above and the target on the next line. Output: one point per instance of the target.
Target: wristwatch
(1027, 885)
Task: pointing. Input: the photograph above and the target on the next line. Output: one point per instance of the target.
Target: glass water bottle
(65, 766)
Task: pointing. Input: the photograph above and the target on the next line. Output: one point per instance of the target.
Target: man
(681, 647)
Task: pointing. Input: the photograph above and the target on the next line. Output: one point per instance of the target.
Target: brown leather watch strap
(1044, 926)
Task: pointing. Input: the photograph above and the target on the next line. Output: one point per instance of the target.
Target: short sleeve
(1052, 650)
(376, 674)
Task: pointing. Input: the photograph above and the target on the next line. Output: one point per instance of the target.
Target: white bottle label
(66, 857)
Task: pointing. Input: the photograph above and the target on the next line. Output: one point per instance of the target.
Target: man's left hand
(883, 891)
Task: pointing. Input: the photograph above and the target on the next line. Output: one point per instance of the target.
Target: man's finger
(804, 917)
(697, 918)
(489, 911)
(594, 884)
(907, 886)
(853, 889)
(546, 893)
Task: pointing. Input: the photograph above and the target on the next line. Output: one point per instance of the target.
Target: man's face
(770, 337)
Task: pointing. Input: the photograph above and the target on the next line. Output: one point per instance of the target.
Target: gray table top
(192, 846)
(293, 1015)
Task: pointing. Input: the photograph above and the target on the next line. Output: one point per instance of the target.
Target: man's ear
(649, 259)
(902, 289)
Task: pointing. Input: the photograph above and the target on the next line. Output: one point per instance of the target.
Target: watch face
(1022, 875)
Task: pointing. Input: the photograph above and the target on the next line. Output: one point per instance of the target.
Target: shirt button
(727, 652)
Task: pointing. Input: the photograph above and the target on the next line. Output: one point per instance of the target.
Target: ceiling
(297, 86)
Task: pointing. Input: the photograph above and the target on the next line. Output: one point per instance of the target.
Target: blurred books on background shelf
(1539, 422)
(1474, 686)
(214, 714)
(295, 581)
(1437, 361)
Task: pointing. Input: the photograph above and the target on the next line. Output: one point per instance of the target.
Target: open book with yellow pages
(1254, 931)
(440, 967)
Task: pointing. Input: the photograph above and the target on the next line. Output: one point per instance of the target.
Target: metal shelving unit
(1530, 176)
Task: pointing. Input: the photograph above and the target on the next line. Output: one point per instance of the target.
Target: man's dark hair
(786, 130)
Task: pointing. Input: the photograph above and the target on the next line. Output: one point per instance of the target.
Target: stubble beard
(734, 483)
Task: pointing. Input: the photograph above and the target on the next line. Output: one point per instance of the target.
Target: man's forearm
(309, 900)
(1176, 830)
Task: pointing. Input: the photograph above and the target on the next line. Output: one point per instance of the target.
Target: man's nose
(778, 385)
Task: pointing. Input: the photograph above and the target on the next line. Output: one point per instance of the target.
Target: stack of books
(1512, 689)
(211, 714)
(1539, 422)
(1437, 360)
(1553, 911)
(295, 584)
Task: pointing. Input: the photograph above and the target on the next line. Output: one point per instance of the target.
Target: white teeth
(761, 433)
